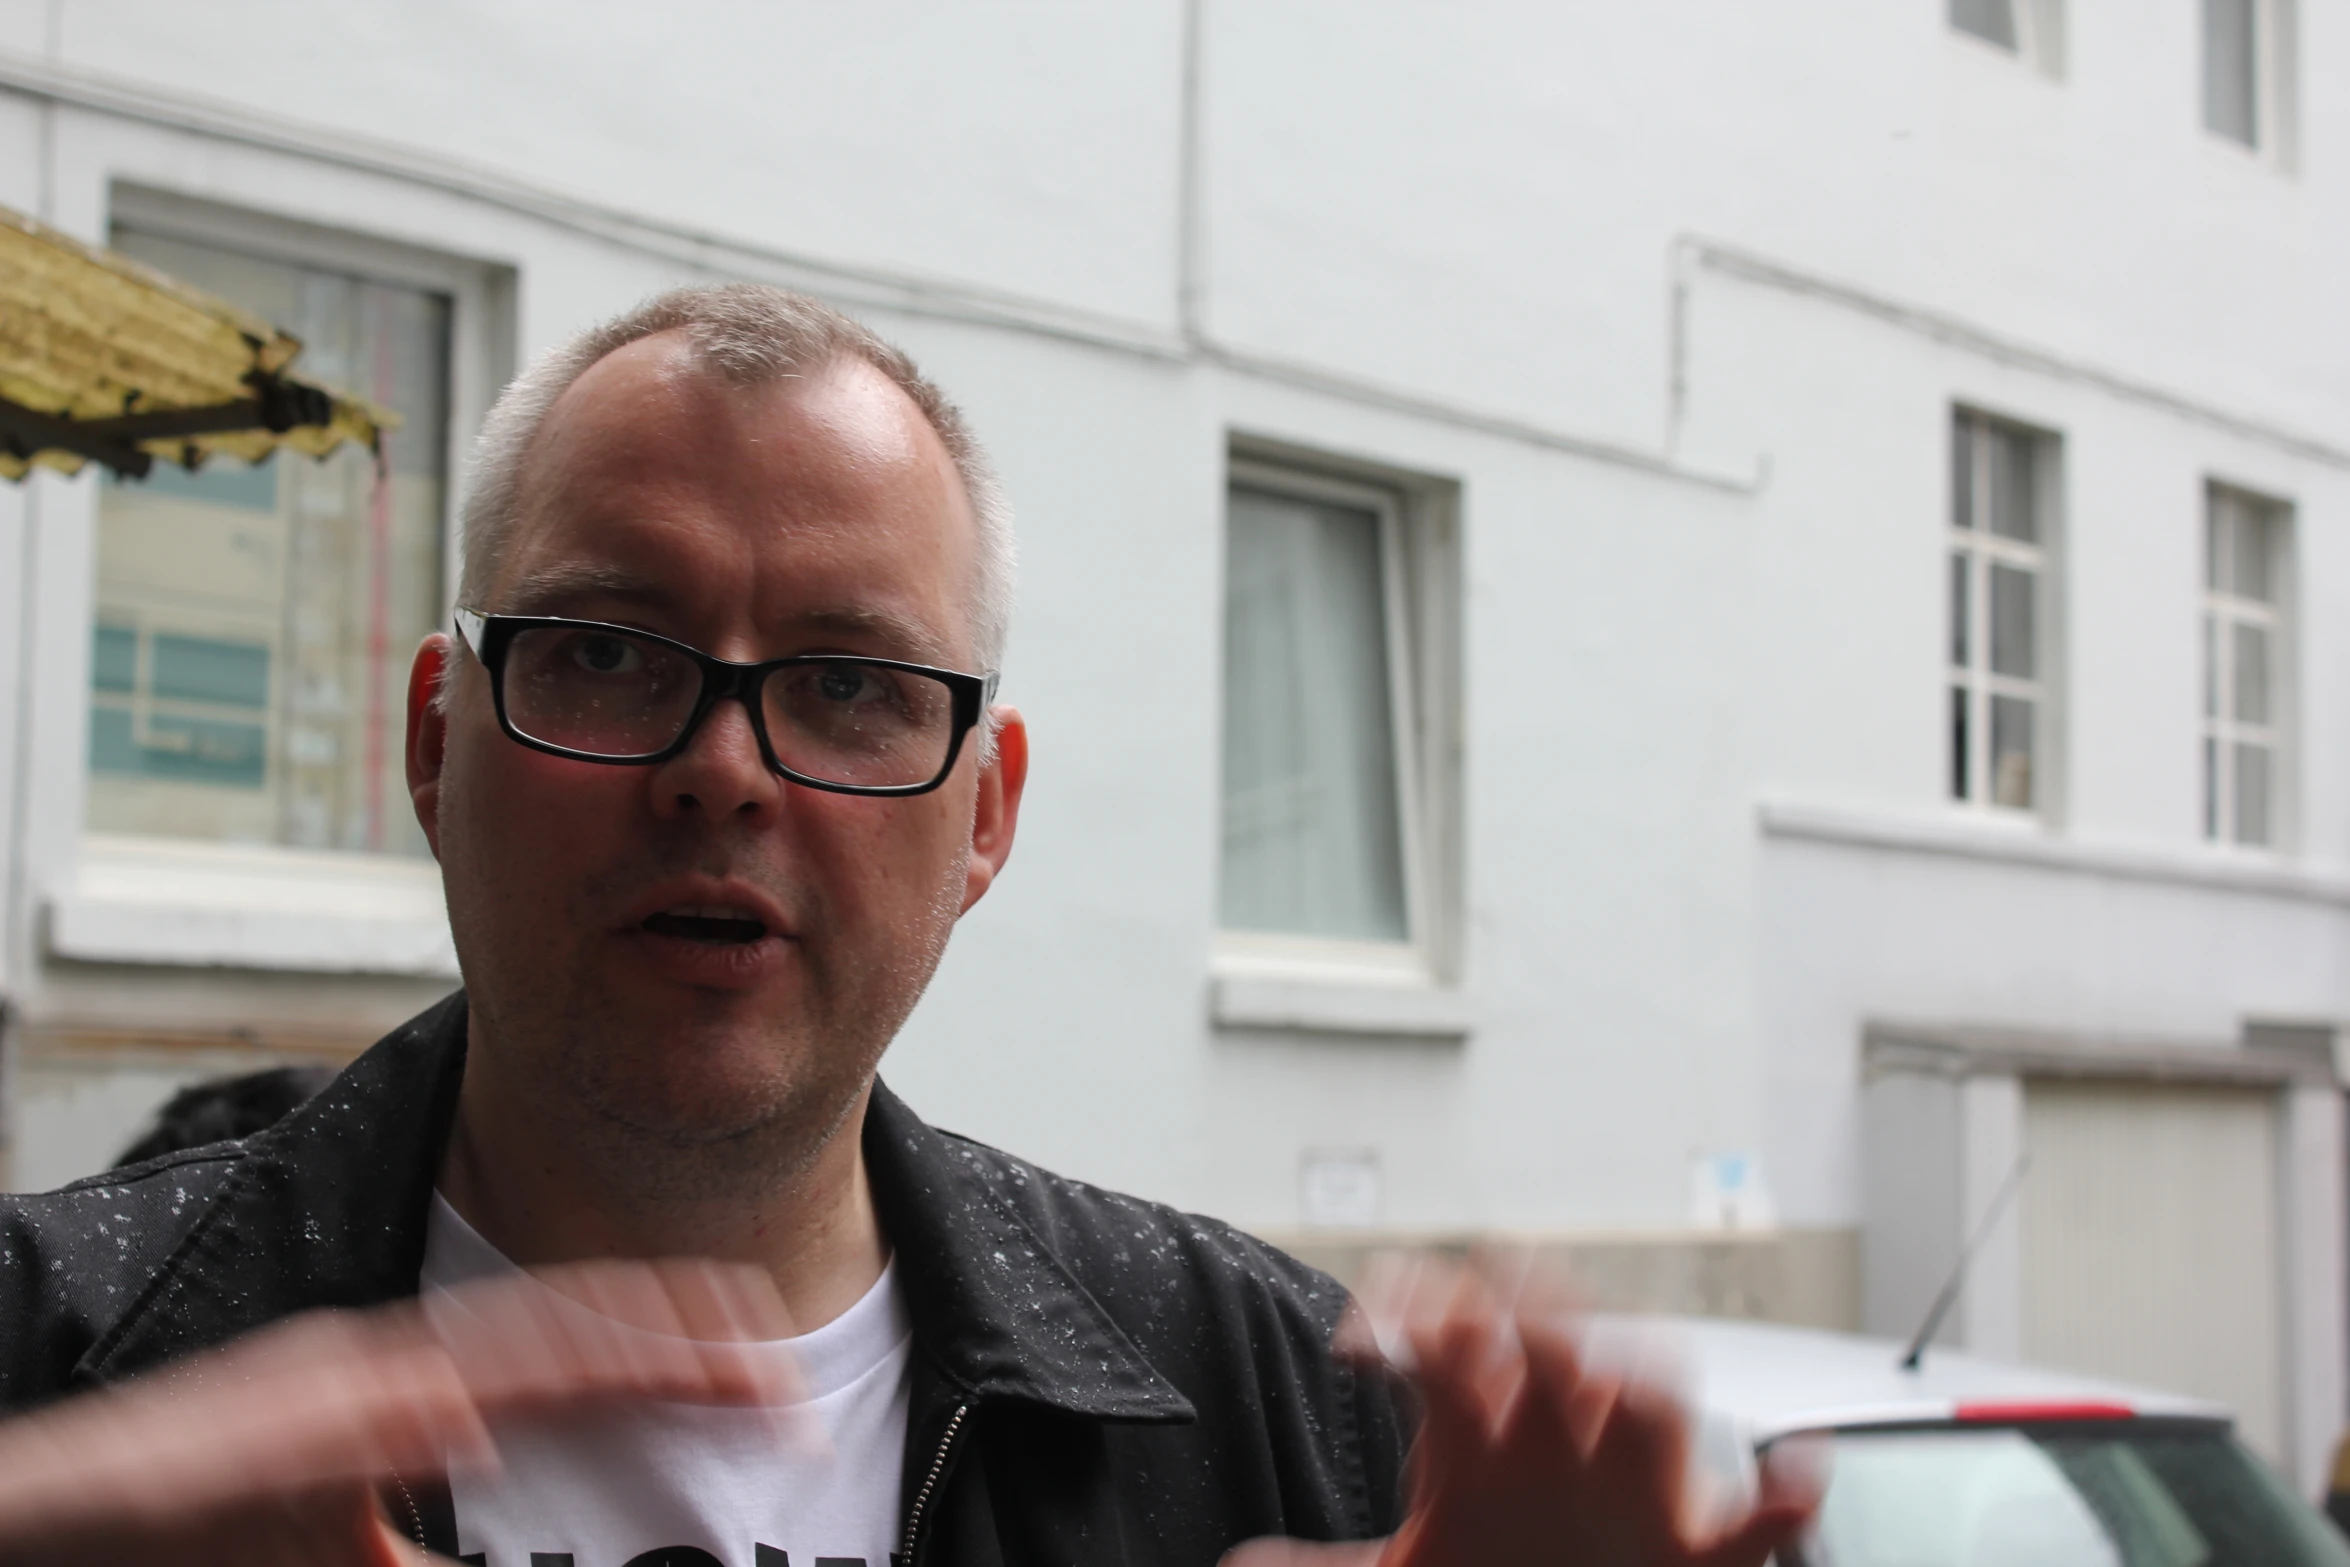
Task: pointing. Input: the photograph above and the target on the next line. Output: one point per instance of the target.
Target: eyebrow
(556, 588)
(919, 641)
(549, 588)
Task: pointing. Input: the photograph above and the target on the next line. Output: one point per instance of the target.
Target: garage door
(2150, 1235)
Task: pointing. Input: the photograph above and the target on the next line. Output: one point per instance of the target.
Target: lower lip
(709, 965)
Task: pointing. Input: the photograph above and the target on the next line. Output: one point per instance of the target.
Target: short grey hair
(747, 334)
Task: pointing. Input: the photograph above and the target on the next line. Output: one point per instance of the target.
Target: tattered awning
(105, 360)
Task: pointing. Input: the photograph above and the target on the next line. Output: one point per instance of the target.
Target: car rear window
(2107, 1494)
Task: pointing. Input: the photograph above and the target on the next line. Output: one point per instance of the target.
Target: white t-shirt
(677, 1485)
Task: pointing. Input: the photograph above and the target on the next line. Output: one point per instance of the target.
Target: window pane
(1962, 471)
(2063, 1494)
(2011, 751)
(1945, 1498)
(2250, 645)
(1311, 828)
(1960, 757)
(1959, 608)
(2252, 793)
(1993, 20)
(2211, 811)
(256, 622)
(200, 669)
(2012, 651)
(2216, 518)
(2250, 555)
(2013, 505)
(2231, 103)
(114, 660)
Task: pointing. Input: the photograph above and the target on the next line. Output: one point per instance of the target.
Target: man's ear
(996, 814)
(428, 731)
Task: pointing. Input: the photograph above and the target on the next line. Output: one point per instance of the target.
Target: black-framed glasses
(603, 693)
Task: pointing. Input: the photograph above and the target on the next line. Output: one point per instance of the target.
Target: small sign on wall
(1338, 1188)
(1726, 1192)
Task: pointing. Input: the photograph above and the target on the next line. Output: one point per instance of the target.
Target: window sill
(1324, 1004)
(202, 905)
(1972, 837)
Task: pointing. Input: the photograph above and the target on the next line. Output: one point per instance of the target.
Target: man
(712, 767)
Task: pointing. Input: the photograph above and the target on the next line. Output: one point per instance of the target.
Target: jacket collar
(993, 1307)
(328, 1208)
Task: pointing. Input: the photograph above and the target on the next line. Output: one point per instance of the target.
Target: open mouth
(716, 927)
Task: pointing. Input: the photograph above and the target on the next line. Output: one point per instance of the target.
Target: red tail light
(2021, 1413)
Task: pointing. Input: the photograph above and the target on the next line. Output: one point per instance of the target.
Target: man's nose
(720, 774)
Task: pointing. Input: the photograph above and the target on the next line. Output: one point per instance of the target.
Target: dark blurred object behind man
(223, 1109)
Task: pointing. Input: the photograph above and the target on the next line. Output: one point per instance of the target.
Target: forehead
(824, 495)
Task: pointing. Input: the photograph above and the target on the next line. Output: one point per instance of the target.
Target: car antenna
(1966, 1255)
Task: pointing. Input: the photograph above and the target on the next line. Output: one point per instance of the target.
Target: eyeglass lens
(605, 693)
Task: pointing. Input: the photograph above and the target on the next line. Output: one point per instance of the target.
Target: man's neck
(542, 1197)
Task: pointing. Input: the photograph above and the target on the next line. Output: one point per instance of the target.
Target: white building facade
(1695, 632)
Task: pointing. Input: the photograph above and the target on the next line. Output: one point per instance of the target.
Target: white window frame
(2039, 36)
(1982, 548)
(1272, 980)
(161, 900)
(2276, 86)
(2221, 613)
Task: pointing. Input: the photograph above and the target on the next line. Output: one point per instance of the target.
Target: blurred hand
(1526, 1453)
(270, 1450)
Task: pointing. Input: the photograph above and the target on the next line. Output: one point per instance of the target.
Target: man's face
(801, 516)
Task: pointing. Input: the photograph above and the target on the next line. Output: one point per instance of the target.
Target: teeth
(711, 911)
(711, 923)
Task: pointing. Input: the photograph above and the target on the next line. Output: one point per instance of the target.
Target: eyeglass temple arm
(470, 628)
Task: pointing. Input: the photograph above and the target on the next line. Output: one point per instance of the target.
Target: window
(2245, 539)
(1333, 699)
(2249, 71)
(1999, 598)
(1313, 822)
(254, 624)
(2231, 69)
(1993, 21)
(2032, 30)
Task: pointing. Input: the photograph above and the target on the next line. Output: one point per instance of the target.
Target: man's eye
(844, 683)
(605, 655)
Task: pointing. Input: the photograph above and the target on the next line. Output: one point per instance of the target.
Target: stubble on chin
(711, 1100)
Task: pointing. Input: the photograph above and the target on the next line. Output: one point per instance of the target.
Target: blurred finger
(337, 1401)
(1751, 1541)
(1578, 1398)
(1587, 1410)
(1386, 1302)
(725, 1304)
(1509, 1273)
(725, 1309)
(1793, 1481)
(1646, 1438)
(494, 1337)
(631, 1326)
(599, 1331)
(1795, 1470)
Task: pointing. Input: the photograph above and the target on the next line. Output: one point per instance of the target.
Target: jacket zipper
(938, 1466)
(415, 1517)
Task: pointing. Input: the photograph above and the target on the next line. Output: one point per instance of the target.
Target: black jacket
(1095, 1379)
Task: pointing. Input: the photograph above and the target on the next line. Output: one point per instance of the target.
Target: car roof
(1770, 1379)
